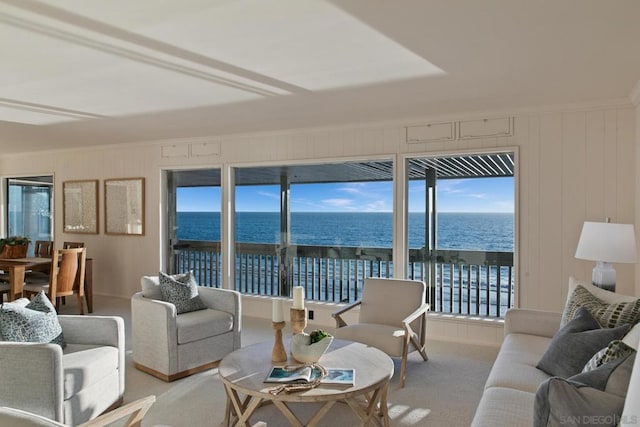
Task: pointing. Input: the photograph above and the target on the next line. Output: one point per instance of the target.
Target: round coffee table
(243, 373)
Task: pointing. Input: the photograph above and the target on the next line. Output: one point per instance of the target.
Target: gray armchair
(171, 346)
(73, 385)
(392, 318)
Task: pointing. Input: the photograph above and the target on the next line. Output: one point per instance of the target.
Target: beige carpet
(443, 391)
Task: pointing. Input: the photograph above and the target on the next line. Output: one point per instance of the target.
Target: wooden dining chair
(4, 289)
(72, 245)
(43, 248)
(66, 277)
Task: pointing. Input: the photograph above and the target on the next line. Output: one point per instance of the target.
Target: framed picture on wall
(80, 206)
(124, 206)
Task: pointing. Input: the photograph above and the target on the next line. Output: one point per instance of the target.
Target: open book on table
(305, 374)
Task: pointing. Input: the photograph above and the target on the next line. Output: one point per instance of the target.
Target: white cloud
(338, 203)
(275, 196)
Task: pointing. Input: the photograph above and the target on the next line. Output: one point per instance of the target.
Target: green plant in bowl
(14, 241)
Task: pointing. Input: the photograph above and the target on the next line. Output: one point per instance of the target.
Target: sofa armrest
(32, 378)
(226, 300)
(532, 322)
(154, 333)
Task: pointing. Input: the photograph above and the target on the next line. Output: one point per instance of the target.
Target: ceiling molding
(48, 109)
(135, 55)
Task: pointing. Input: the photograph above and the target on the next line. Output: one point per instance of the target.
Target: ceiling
(89, 72)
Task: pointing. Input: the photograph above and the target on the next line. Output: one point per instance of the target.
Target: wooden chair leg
(403, 363)
(80, 302)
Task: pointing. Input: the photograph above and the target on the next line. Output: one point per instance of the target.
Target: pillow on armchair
(31, 321)
(181, 292)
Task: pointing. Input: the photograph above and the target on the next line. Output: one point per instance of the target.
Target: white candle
(298, 297)
(276, 310)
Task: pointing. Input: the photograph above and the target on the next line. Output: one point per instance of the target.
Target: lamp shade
(607, 242)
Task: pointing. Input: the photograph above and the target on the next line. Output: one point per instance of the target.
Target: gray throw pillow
(562, 403)
(574, 344)
(612, 377)
(607, 315)
(182, 292)
(36, 321)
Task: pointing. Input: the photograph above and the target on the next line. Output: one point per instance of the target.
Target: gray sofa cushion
(504, 407)
(197, 325)
(575, 343)
(515, 366)
(85, 365)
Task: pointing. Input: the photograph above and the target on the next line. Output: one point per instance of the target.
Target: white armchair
(393, 316)
(73, 385)
(171, 346)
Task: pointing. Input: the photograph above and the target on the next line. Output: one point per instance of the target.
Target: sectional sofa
(509, 397)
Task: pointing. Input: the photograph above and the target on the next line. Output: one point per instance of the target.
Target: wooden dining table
(16, 268)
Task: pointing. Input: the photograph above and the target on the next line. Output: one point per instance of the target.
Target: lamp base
(604, 276)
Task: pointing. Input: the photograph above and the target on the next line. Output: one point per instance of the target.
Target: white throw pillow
(151, 287)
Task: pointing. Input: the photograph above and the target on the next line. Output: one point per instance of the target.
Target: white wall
(575, 165)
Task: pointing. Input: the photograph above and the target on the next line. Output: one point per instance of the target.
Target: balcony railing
(466, 282)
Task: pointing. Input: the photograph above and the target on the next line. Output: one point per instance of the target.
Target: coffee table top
(246, 368)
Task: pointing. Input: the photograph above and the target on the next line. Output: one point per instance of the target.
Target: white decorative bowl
(304, 352)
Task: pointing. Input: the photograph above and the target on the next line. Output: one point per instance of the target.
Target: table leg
(16, 281)
(375, 406)
(384, 406)
(242, 410)
(88, 284)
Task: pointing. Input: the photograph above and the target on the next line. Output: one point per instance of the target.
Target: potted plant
(14, 247)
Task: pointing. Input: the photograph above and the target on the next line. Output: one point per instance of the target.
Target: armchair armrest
(221, 299)
(413, 316)
(532, 322)
(24, 365)
(97, 330)
(226, 300)
(338, 314)
(135, 410)
(154, 333)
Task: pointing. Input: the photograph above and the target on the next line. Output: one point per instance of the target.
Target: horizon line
(357, 212)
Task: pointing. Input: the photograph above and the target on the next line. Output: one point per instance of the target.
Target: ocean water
(469, 231)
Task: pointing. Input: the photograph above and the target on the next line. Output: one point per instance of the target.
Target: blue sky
(454, 195)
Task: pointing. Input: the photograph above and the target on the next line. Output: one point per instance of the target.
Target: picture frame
(124, 206)
(80, 206)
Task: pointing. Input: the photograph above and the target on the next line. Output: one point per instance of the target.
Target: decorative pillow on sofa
(575, 343)
(561, 403)
(31, 321)
(612, 377)
(182, 292)
(615, 350)
(609, 309)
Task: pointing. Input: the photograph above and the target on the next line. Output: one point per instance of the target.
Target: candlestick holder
(278, 354)
(298, 320)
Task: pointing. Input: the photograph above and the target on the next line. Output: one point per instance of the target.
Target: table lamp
(606, 243)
